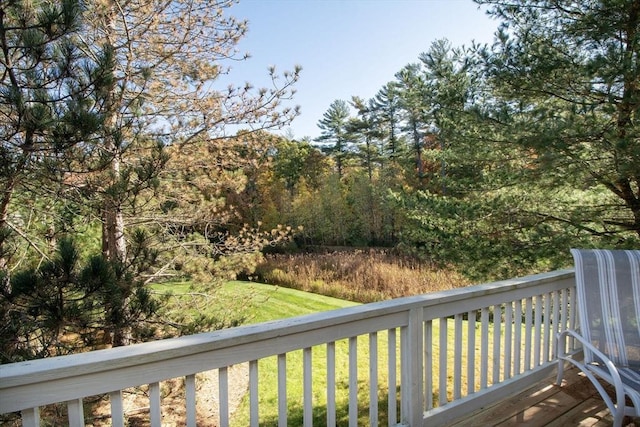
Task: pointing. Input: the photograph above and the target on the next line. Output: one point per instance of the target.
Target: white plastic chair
(608, 300)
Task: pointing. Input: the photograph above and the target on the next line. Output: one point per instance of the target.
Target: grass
(278, 302)
(255, 302)
(269, 302)
(268, 379)
(268, 389)
(259, 302)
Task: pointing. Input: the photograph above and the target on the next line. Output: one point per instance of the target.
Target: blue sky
(347, 47)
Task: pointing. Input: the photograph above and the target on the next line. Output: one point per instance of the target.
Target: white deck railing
(443, 355)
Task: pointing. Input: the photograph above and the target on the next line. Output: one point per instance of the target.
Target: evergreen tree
(334, 135)
(49, 111)
(64, 306)
(567, 82)
(449, 97)
(539, 137)
(95, 92)
(165, 57)
(366, 132)
(386, 108)
(412, 89)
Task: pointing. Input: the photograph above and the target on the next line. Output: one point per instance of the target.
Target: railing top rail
(29, 372)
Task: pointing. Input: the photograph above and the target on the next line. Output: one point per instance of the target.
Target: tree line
(122, 163)
(495, 159)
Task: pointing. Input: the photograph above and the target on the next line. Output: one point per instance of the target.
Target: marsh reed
(357, 275)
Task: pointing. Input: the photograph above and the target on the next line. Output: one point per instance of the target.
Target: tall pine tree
(335, 133)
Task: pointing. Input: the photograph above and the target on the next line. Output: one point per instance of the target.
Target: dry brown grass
(357, 275)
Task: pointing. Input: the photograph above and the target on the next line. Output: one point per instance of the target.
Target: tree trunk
(113, 242)
(114, 245)
(628, 105)
(417, 145)
(4, 214)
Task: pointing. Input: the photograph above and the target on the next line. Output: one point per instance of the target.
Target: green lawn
(269, 303)
(260, 303)
(277, 303)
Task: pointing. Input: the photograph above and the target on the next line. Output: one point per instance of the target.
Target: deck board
(576, 403)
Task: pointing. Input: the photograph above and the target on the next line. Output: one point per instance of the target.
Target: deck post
(31, 417)
(413, 401)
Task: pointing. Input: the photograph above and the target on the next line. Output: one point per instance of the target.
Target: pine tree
(366, 127)
(412, 89)
(567, 82)
(97, 91)
(386, 107)
(334, 134)
(450, 85)
(50, 114)
(166, 55)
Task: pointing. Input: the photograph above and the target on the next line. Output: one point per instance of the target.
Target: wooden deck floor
(576, 403)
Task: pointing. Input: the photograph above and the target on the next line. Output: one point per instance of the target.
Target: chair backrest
(608, 285)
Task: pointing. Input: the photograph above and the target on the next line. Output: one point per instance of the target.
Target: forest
(123, 164)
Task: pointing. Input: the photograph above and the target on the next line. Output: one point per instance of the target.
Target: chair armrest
(613, 373)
